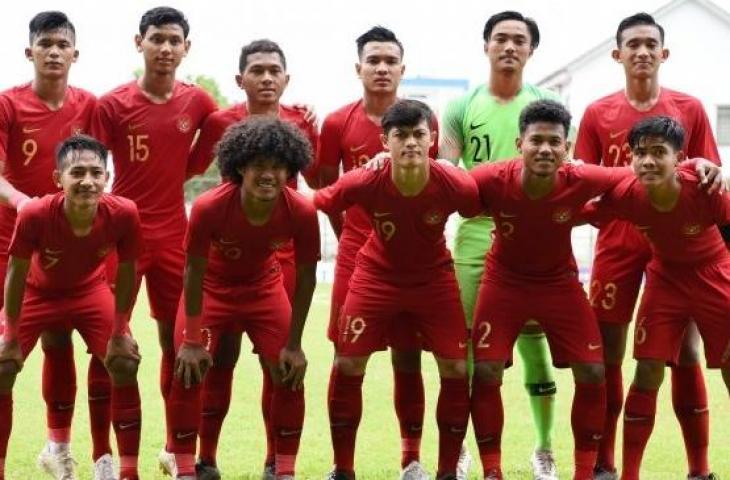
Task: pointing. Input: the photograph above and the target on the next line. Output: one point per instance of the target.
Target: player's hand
(310, 115)
(293, 366)
(122, 346)
(10, 352)
(710, 176)
(191, 364)
(22, 203)
(377, 162)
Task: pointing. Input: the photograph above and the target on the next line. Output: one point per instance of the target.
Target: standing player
(262, 75)
(481, 127)
(621, 252)
(403, 271)
(350, 137)
(149, 125)
(56, 281)
(34, 118)
(233, 282)
(688, 276)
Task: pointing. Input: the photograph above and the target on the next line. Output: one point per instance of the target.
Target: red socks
(167, 365)
(689, 398)
(587, 419)
(216, 398)
(287, 419)
(6, 424)
(614, 403)
(487, 415)
(452, 417)
(59, 391)
(267, 393)
(100, 394)
(183, 413)
(345, 410)
(409, 400)
(127, 421)
(639, 416)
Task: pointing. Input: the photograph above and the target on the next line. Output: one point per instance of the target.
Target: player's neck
(505, 85)
(271, 109)
(257, 212)
(81, 219)
(664, 197)
(642, 93)
(51, 91)
(157, 87)
(536, 187)
(410, 181)
(376, 104)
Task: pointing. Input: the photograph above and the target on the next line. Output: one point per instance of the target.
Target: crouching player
(233, 282)
(688, 277)
(403, 270)
(56, 281)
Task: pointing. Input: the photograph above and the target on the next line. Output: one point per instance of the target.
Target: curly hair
(262, 137)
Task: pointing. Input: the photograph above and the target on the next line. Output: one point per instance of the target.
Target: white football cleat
(543, 465)
(464, 463)
(168, 466)
(414, 471)
(60, 466)
(104, 468)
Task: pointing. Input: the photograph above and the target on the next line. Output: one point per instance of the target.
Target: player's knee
(351, 365)
(8, 371)
(689, 354)
(649, 374)
(123, 371)
(488, 372)
(450, 368)
(409, 362)
(56, 339)
(589, 373)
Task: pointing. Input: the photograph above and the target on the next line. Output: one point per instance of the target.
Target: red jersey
(150, 144)
(215, 125)
(60, 260)
(30, 132)
(242, 253)
(603, 139)
(350, 138)
(685, 236)
(407, 242)
(532, 237)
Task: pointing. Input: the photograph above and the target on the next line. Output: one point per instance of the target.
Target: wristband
(120, 326)
(16, 198)
(192, 334)
(10, 329)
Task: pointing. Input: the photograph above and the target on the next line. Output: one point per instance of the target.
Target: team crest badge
(103, 251)
(433, 217)
(184, 123)
(278, 244)
(691, 229)
(76, 129)
(562, 215)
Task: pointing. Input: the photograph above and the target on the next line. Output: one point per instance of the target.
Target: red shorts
(430, 312)
(261, 310)
(674, 297)
(162, 265)
(622, 254)
(562, 310)
(288, 270)
(90, 312)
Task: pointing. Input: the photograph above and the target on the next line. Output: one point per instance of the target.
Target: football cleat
(207, 472)
(335, 475)
(167, 463)
(60, 466)
(269, 472)
(104, 468)
(711, 476)
(543, 465)
(600, 473)
(493, 474)
(414, 471)
(464, 463)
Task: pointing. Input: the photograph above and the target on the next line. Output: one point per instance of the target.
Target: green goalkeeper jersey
(484, 130)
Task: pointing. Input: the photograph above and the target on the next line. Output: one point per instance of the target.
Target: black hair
(262, 137)
(377, 34)
(548, 111)
(641, 18)
(406, 113)
(260, 46)
(666, 128)
(159, 16)
(49, 21)
(78, 143)
(512, 15)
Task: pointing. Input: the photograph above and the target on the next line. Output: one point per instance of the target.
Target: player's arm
(327, 168)
(202, 154)
(292, 362)
(8, 194)
(451, 143)
(14, 291)
(310, 174)
(193, 360)
(588, 143)
(121, 343)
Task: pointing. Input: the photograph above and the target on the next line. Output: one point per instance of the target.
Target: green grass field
(242, 444)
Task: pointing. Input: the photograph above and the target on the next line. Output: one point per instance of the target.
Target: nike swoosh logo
(643, 227)
(474, 126)
(507, 215)
(49, 251)
(592, 346)
(357, 149)
(633, 419)
(380, 214)
(462, 345)
(597, 436)
(127, 426)
(136, 126)
(65, 406)
(228, 242)
(30, 130)
(701, 410)
(289, 433)
(616, 134)
(181, 436)
(545, 389)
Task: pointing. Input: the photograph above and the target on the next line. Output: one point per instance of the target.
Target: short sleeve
(199, 233)
(26, 235)
(6, 121)
(487, 182)
(102, 121)
(306, 237)
(720, 207)
(328, 148)
(452, 134)
(203, 152)
(701, 142)
(588, 144)
(340, 195)
(465, 194)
